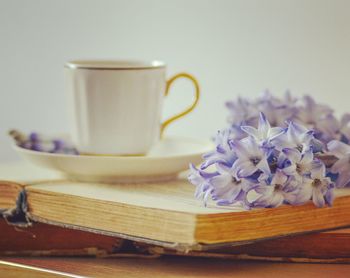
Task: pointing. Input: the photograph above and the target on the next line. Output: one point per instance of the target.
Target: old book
(162, 214)
(325, 247)
(49, 240)
(39, 239)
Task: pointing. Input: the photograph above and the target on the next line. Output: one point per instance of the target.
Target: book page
(174, 195)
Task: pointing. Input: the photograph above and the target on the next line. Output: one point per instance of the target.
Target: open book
(163, 214)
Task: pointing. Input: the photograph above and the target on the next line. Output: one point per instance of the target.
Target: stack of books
(44, 214)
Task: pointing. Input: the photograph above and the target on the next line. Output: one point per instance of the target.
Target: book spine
(18, 216)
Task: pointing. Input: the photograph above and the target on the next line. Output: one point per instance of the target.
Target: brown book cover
(164, 214)
(47, 240)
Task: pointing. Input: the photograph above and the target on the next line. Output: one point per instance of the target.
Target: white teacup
(115, 106)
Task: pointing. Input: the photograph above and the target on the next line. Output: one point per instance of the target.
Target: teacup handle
(190, 108)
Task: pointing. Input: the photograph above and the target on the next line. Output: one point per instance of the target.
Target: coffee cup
(115, 107)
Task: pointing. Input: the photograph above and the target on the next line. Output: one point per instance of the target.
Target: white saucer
(166, 159)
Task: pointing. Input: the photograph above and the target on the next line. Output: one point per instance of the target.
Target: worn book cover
(159, 214)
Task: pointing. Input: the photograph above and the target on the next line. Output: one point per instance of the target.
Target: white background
(232, 47)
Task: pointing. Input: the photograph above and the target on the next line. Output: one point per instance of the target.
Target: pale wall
(233, 47)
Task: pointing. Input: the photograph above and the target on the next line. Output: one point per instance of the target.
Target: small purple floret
(37, 142)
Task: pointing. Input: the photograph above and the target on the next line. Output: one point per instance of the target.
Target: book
(49, 240)
(159, 214)
(40, 239)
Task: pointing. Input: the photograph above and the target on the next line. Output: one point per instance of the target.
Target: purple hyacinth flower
(242, 111)
(275, 192)
(236, 132)
(342, 166)
(296, 136)
(228, 190)
(300, 163)
(328, 128)
(58, 145)
(264, 133)
(34, 137)
(318, 187)
(278, 111)
(321, 185)
(251, 158)
(225, 188)
(200, 179)
(223, 152)
(345, 126)
(329, 196)
(312, 112)
(36, 146)
(280, 164)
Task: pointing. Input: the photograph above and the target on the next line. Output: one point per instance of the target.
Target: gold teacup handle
(190, 108)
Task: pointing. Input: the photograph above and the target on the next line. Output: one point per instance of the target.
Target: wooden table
(163, 267)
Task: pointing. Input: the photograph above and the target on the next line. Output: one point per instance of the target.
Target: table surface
(165, 267)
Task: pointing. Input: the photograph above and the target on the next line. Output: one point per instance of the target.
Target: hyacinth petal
(307, 156)
(341, 165)
(292, 133)
(301, 129)
(252, 146)
(220, 180)
(263, 201)
(242, 198)
(223, 169)
(262, 189)
(251, 131)
(235, 191)
(276, 200)
(345, 131)
(290, 170)
(224, 193)
(343, 178)
(275, 132)
(305, 192)
(34, 136)
(280, 142)
(236, 166)
(338, 149)
(198, 192)
(207, 175)
(205, 197)
(292, 154)
(318, 171)
(290, 198)
(345, 119)
(208, 154)
(235, 196)
(329, 197)
(264, 125)
(194, 177)
(264, 177)
(240, 149)
(318, 199)
(279, 178)
(247, 186)
(263, 165)
(246, 169)
(211, 161)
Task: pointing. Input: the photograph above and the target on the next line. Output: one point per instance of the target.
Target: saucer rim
(209, 145)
